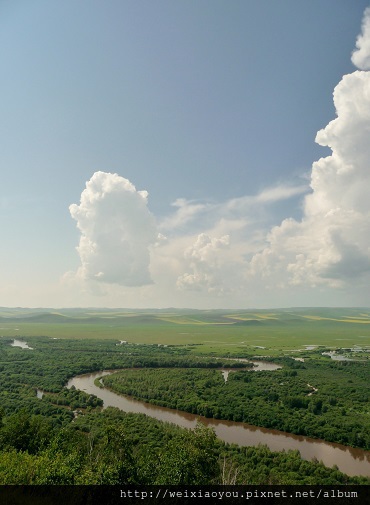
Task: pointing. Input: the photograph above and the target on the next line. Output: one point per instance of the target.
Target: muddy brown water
(349, 460)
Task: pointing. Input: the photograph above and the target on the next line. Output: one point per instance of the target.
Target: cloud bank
(331, 244)
(205, 262)
(117, 230)
(231, 249)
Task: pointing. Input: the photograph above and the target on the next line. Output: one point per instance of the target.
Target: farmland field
(262, 332)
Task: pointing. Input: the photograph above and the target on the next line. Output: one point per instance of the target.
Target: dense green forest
(319, 398)
(42, 442)
(112, 447)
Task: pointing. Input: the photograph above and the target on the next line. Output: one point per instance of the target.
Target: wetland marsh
(174, 360)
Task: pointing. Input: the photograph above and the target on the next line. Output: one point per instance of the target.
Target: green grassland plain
(260, 332)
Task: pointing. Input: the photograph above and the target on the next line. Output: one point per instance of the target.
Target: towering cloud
(361, 55)
(117, 230)
(218, 248)
(331, 244)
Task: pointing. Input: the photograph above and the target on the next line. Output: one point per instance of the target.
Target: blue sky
(212, 108)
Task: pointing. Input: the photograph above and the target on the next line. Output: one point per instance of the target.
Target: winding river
(348, 460)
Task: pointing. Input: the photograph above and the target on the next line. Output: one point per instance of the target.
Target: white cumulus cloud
(117, 230)
(242, 248)
(205, 261)
(361, 55)
(331, 244)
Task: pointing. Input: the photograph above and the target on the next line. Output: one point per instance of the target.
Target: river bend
(349, 460)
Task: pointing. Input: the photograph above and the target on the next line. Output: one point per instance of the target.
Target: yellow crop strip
(255, 316)
(185, 321)
(349, 320)
(267, 316)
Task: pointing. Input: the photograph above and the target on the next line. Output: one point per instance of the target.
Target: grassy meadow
(259, 332)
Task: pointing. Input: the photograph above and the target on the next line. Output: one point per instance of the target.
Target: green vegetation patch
(327, 400)
(172, 358)
(218, 332)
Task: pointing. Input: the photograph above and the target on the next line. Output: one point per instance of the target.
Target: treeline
(73, 398)
(280, 399)
(41, 441)
(327, 400)
(112, 447)
(52, 363)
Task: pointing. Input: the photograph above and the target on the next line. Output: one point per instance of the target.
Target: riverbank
(348, 460)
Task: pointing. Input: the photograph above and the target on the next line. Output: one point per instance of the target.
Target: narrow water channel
(348, 460)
